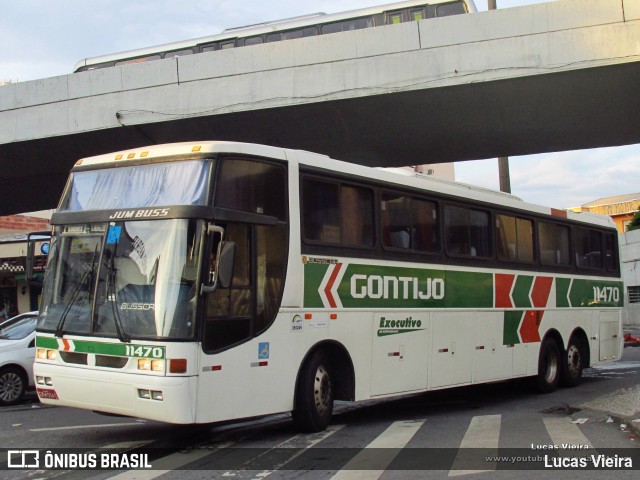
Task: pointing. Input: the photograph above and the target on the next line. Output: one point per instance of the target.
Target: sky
(44, 38)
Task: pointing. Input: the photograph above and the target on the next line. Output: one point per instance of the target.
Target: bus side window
(554, 244)
(467, 231)
(338, 214)
(588, 248)
(514, 239)
(409, 223)
(611, 252)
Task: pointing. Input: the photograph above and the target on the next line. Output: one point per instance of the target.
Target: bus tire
(13, 383)
(573, 363)
(314, 395)
(549, 366)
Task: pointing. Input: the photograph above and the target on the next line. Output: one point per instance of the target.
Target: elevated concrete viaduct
(548, 77)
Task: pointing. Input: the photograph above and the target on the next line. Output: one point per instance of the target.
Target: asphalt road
(417, 436)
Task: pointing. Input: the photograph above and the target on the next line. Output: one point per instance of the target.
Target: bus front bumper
(166, 399)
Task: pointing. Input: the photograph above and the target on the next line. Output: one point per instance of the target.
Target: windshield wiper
(111, 282)
(88, 275)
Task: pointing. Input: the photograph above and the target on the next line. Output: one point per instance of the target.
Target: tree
(634, 224)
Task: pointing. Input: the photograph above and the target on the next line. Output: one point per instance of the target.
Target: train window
(290, 35)
(514, 239)
(417, 14)
(138, 60)
(210, 48)
(394, 17)
(252, 41)
(467, 232)
(225, 45)
(273, 37)
(588, 247)
(178, 53)
(448, 9)
(310, 31)
(347, 25)
(554, 243)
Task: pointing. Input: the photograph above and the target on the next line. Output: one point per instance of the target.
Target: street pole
(503, 162)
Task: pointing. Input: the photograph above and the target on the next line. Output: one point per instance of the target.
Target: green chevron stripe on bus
(521, 291)
(512, 321)
(102, 348)
(338, 285)
(46, 342)
(588, 293)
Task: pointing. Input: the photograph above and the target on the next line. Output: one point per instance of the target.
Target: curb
(627, 425)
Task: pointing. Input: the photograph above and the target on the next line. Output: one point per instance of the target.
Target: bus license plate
(47, 393)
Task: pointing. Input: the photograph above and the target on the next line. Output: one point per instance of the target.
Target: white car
(17, 352)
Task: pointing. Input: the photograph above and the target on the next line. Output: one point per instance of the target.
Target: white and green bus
(202, 282)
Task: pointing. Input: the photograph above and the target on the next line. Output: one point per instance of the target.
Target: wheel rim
(552, 368)
(573, 361)
(322, 393)
(10, 387)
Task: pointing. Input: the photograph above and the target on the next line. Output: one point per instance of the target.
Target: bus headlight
(157, 365)
(150, 365)
(144, 364)
(44, 354)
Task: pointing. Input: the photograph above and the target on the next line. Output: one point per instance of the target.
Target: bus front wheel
(549, 366)
(314, 395)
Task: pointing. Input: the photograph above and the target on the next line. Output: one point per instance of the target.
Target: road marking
(169, 463)
(128, 445)
(80, 427)
(298, 445)
(563, 432)
(370, 465)
(483, 432)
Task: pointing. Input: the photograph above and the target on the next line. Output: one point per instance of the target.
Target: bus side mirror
(223, 273)
(226, 263)
(30, 262)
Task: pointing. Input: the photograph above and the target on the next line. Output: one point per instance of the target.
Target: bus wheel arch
(326, 374)
(549, 363)
(575, 358)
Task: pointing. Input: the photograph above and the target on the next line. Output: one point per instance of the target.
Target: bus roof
(320, 161)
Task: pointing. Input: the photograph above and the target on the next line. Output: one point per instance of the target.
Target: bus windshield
(133, 279)
(177, 183)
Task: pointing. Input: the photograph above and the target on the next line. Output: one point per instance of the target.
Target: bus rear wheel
(573, 363)
(549, 366)
(314, 395)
